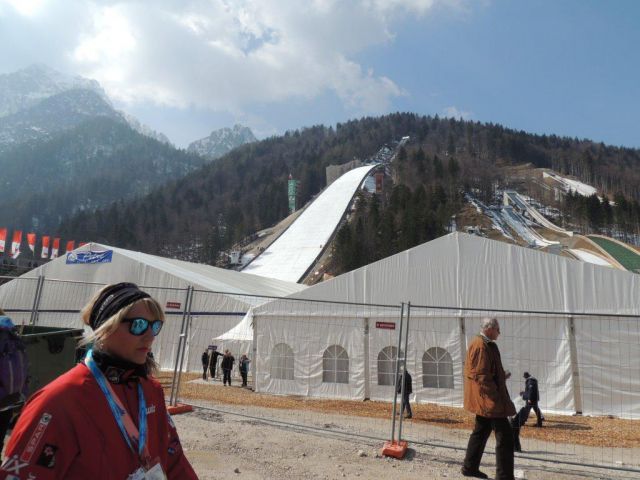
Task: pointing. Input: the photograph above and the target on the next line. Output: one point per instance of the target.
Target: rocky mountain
(25, 88)
(65, 149)
(222, 141)
(38, 101)
(59, 112)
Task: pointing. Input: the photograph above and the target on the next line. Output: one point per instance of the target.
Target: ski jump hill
(293, 253)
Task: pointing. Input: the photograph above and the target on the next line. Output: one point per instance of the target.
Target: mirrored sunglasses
(138, 326)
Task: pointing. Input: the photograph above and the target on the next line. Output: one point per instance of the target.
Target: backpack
(13, 366)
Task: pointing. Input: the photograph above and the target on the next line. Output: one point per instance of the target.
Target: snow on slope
(296, 250)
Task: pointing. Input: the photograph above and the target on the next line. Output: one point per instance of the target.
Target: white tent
(239, 339)
(220, 300)
(583, 363)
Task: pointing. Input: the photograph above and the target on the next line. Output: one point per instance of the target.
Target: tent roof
(466, 271)
(152, 270)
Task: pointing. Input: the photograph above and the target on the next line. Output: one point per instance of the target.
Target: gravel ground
(233, 446)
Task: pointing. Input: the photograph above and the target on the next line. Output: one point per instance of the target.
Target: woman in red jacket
(106, 417)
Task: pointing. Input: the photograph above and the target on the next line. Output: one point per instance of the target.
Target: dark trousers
(226, 376)
(204, 372)
(524, 412)
(5, 418)
(406, 406)
(212, 370)
(504, 446)
(244, 377)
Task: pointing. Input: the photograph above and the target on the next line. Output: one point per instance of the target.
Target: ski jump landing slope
(296, 250)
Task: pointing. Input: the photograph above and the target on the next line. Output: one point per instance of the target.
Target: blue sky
(190, 66)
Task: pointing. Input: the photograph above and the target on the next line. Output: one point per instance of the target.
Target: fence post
(367, 367)
(395, 377)
(575, 372)
(185, 338)
(36, 300)
(463, 345)
(404, 367)
(254, 360)
(180, 341)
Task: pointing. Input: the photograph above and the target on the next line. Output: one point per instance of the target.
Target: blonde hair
(111, 324)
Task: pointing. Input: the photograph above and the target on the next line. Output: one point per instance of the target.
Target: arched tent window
(282, 362)
(335, 365)
(437, 368)
(387, 365)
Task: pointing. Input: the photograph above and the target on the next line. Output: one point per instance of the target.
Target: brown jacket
(485, 388)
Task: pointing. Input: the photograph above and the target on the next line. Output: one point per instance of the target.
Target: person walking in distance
(205, 364)
(531, 396)
(408, 390)
(213, 363)
(243, 365)
(227, 364)
(486, 395)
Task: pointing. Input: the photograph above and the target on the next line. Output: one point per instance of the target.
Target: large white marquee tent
(69, 283)
(583, 363)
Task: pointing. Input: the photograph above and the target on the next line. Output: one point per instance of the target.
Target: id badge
(155, 473)
(139, 474)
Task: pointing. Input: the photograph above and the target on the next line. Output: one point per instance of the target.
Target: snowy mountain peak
(27, 87)
(222, 141)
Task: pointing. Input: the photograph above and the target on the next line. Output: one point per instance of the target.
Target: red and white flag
(45, 247)
(55, 248)
(3, 238)
(15, 245)
(70, 245)
(31, 241)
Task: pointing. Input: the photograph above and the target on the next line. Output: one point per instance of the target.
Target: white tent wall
(425, 335)
(463, 271)
(308, 340)
(17, 297)
(538, 345)
(609, 362)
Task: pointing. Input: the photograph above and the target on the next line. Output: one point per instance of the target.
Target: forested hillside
(210, 209)
(83, 168)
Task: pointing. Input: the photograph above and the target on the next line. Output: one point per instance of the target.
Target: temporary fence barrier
(334, 366)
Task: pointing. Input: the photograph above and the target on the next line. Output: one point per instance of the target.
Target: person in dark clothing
(205, 364)
(408, 390)
(531, 396)
(227, 365)
(515, 428)
(243, 366)
(213, 363)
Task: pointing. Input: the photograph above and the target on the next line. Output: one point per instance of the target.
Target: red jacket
(67, 431)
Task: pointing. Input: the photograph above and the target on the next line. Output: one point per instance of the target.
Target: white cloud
(223, 55)
(454, 112)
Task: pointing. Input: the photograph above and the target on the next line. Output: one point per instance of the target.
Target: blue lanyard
(118, 410)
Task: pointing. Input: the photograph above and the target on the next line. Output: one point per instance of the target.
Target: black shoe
(473, 473)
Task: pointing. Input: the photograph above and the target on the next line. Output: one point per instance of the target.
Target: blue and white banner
(89, 257)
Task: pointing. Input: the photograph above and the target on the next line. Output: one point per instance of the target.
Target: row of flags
(50, 245)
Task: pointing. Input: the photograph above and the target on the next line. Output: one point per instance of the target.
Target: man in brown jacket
(486, 395)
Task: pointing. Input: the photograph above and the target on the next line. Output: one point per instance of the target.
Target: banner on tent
(75, 258)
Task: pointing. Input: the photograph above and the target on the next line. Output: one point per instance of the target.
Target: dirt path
(232, 446)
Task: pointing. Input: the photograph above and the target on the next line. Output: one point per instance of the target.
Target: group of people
(486, 395)
(210, 361)
(110, 406)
